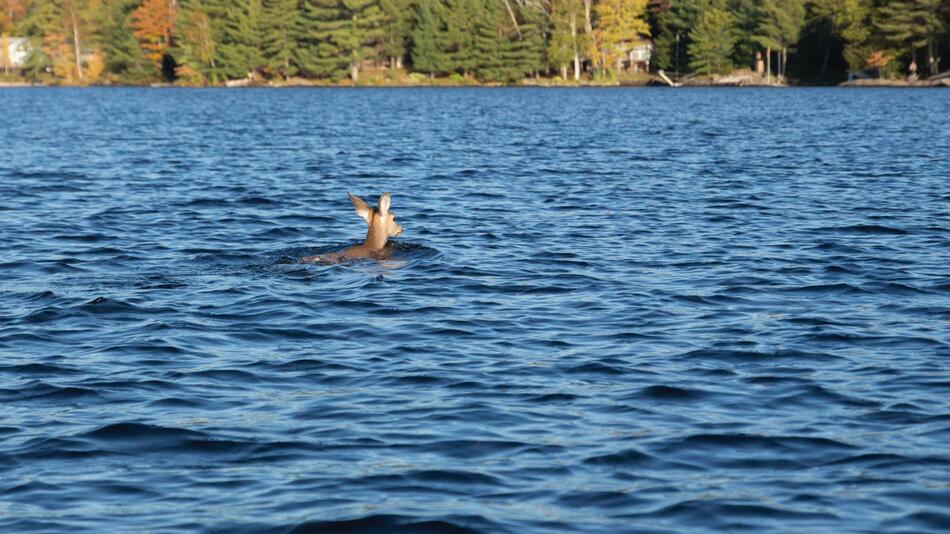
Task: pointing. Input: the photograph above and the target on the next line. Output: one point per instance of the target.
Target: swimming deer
(382, 226)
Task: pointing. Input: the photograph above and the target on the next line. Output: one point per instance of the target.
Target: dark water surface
(611, 311)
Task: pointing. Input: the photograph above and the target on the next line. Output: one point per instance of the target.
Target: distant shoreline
(892, 84)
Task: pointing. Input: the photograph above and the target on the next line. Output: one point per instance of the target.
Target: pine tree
(335, 36)
(237, 37)
(496, 56)
(195, 47)
(712, 43)
(321, 26)
(427, 36)
(912, 24)
(397, 29)
(745, 15)
(852, 21)
(123, 56)
(277, 36)
(462, 20)
(530, 45)
(365, 32)
(847, 21)
(677, 25)
(779, 28)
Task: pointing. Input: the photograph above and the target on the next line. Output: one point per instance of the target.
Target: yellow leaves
(619, 24)
(95, 65)
(5, 62)
(189, 77)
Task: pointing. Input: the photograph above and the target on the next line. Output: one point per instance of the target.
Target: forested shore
(412, 42)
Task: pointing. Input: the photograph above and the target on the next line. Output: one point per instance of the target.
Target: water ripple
(611, 311)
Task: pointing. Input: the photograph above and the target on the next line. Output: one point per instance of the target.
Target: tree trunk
(587, 14)
(778, 53)
(577, 55)
(76, 46)
(784, 63)
(5, 53)
(563, 72)
(514, 19)
(931, 62)
(768, 65)
(355, 72)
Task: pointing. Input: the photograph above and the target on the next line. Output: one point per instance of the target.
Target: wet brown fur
(382, 225)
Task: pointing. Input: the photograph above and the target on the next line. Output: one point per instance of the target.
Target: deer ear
(362, 208)
(384, 204)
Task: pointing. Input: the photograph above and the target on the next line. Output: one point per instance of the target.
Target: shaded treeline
(201, 42)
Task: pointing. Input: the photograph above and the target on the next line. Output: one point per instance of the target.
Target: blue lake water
(612, 310)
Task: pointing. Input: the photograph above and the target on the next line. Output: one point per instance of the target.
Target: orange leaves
(152, 24)
(11, 11)
(879, 59)
(95, 64)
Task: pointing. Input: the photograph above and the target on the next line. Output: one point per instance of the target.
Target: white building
(18, 49)
(639, 54)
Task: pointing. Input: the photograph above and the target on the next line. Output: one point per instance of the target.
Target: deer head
(382, 222)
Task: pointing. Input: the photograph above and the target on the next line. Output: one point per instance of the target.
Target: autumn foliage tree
(211, 41)
(11, 11)
(618, 23)
(153, 22)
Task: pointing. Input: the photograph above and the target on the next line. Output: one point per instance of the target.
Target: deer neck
(375, 238)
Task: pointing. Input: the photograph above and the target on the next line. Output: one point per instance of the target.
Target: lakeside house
(639, 53)
(16, 52)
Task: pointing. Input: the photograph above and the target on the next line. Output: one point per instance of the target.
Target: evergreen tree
(277, 36)
(462, 21)
(321, 26)
(366, 31)
(530, 46)
(745, 16)
(676, 27)
(427, 37)
(779, 28)
(713, 40)
(195, 47)
(912, 24)
(123, 56)
(335, 36)
(237, 36)
(491, 46)
(665, 43)
(397, 30)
